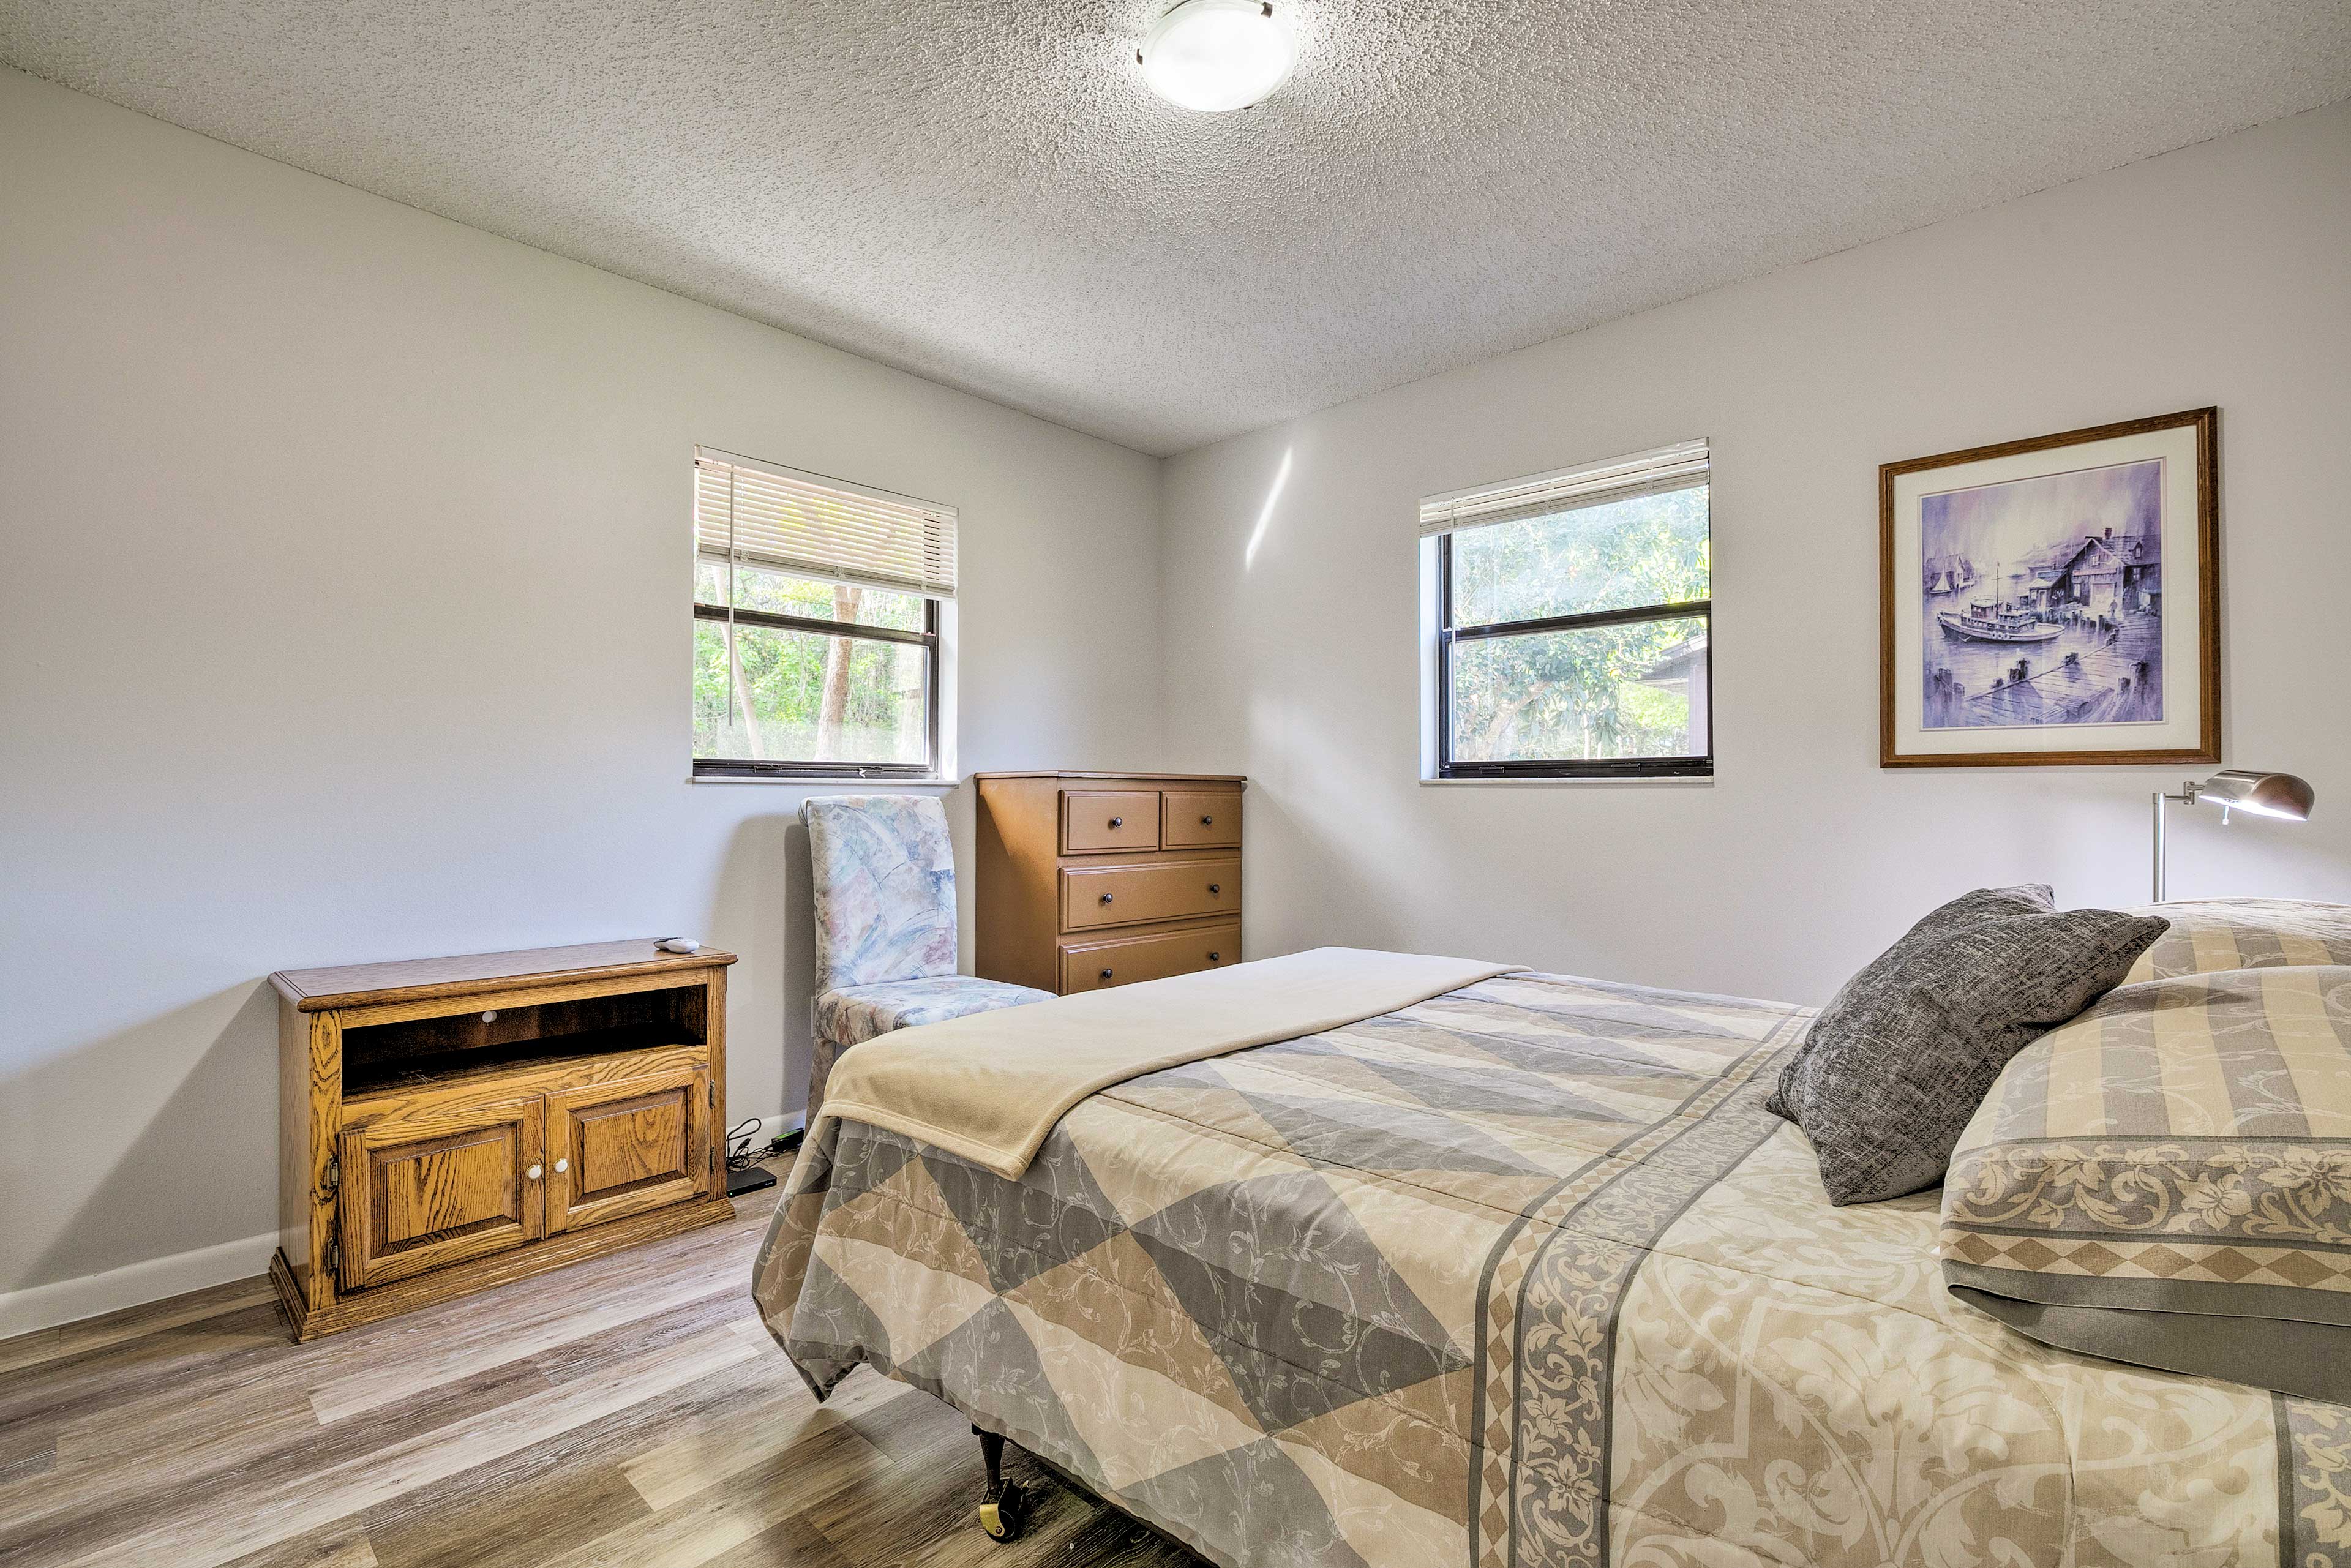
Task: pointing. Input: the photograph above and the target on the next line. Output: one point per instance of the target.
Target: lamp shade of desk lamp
(2280, 795)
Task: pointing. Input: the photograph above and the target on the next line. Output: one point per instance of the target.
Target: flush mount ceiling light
(1217, 55)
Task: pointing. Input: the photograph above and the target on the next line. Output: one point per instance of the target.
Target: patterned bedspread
(1521, 1277)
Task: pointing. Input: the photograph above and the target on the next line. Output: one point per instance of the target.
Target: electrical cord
(744, 1149)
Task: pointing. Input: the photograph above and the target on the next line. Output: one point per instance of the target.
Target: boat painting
(2066, 629)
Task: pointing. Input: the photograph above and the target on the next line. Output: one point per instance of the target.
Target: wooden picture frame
(2067, 651)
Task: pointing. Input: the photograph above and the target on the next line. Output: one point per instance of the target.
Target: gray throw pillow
(1898, 1063)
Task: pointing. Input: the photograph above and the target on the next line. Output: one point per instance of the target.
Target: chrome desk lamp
(2236, 789)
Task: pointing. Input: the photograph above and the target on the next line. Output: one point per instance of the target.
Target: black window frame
(924, 771)
(1699, 766)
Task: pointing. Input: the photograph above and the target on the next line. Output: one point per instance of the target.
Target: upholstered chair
(885, 925)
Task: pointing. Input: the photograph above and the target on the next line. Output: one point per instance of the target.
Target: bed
(1523, 1274)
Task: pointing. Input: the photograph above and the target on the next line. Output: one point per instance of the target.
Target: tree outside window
(1577, 645)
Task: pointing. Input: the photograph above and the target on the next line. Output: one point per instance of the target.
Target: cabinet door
(425, 1190)
(621, 1148)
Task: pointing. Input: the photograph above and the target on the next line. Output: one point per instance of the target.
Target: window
(1567, 620)
(817, 616)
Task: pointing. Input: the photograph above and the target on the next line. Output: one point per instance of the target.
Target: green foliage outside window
(1627, 690)
(790, 695)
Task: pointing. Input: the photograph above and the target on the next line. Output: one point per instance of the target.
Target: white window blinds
(764, 515)
(1676, 468)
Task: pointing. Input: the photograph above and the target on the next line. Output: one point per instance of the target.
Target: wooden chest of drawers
(1089, 880)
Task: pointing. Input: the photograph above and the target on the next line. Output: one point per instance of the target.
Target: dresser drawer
(1199, 820)
(1094, 820)
(1126, 894)
(1122, 961)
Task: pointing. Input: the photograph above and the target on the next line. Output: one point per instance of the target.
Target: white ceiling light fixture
(1218, 54)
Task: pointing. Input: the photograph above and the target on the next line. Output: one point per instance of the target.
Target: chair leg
(1003, 1506)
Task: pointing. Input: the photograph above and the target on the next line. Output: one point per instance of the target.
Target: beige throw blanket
(989, 1087)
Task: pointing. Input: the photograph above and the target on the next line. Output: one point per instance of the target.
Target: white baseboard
(774, 1127)
(136, 1284)
(133, 1285)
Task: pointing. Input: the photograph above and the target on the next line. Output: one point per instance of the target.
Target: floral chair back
(885, 892)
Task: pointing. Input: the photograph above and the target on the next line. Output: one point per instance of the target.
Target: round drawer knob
(1214, 888)
(562, 1165)
(1105, 898)
(1208, 821)
(1106, 974)
(534, 1172)
(490, 1017)
(1215, 957)
(1118, 821)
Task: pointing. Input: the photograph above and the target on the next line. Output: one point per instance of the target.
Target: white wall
(2220, 274)
(343, 595)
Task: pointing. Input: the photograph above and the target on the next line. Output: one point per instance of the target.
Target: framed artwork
(2054, 600)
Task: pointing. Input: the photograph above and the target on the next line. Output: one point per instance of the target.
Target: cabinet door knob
(1208, 821)
(562, 1165)
(534, 1172)
(1106, 974)
(1214, 888)
(1118, 821)
(1105, 898)
(1213, 957)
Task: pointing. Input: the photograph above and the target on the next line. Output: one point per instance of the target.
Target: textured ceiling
(983, 191)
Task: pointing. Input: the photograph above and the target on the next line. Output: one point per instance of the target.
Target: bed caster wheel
(1003, 1506)
(1004, 1514)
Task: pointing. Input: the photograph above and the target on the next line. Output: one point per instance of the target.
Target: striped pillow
(2167, 1181)
(2243, 934)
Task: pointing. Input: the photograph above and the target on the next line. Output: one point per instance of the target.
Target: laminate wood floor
(629, 1409)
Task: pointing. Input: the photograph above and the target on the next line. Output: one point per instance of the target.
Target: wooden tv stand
(447, 1124)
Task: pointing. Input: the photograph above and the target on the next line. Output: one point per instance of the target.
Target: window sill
(1659, 781)
(869, 786)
